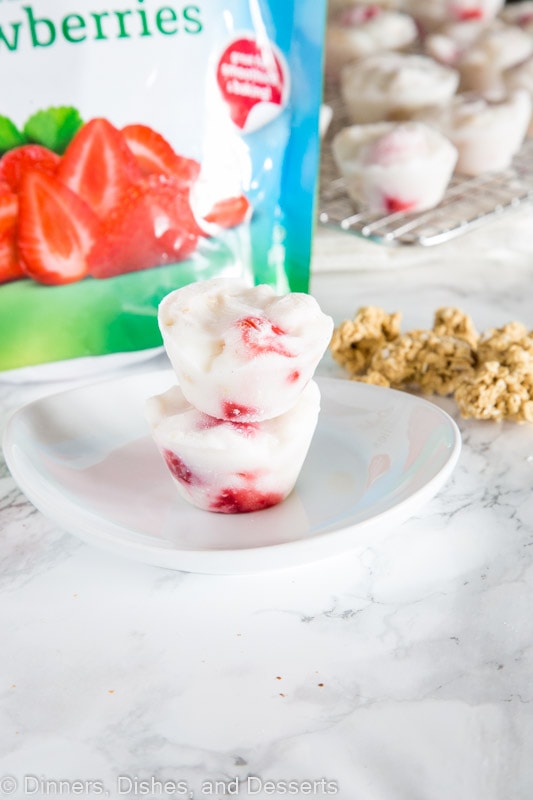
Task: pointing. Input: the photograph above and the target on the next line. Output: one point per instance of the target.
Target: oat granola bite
(496, 392)
(422, 359)
(355, 341)
(504, 344)
(451, 321)
(489, 375)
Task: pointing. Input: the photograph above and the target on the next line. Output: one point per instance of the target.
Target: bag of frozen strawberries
(143, 146)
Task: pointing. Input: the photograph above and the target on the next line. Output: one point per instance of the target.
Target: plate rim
(228, 559)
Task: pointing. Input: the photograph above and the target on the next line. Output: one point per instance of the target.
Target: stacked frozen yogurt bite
(236, 429)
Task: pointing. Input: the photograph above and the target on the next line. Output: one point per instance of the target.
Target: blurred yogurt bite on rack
(450, 42)
(235, 431)
(362, 30)
(519, 13)
(394, 85)
(432, 14)
(520, 77)
(497, 49)
(487, 132)
(390, 167)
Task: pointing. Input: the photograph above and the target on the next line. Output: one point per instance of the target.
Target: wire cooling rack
(468, 202)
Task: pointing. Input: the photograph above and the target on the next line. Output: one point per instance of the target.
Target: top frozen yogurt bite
(242, 352)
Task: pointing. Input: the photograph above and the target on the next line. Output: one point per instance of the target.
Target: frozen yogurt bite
(432, 14)
(450, 42)
(365, 29)
(242, 352)
(232, 467)
(497, 49)
(391, 167)
(520, 14)
(235, 430)
(393, 85)
(487, 132)
(520, 76)
(334, 6)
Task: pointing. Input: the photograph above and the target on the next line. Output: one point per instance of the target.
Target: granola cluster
(490, 375)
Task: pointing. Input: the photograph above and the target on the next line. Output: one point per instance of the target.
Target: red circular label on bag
(253, 80)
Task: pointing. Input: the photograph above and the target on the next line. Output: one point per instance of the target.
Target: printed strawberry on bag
(169, 145)
(117, 201)
(154, 155)
(56, 229)
(10, 266)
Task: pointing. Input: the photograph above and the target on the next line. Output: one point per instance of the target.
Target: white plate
(85, 458)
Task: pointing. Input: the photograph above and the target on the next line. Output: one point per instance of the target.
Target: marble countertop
(396, 672)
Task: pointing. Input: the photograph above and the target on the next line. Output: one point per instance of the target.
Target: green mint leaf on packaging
(10, 136)
(53, 127)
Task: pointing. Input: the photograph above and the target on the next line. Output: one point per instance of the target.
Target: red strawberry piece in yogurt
(244, 500)
(235, 411)
(464, 12)
(247, 429)
(262, 336)
(395, 205)
(179, 469)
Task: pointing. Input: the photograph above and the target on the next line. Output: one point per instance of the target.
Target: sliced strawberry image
(229, 212)
(8, 209)
(155, 155)
(10, 264)
(56, 230)
(99, 166)
(15, 162)
(153, 225)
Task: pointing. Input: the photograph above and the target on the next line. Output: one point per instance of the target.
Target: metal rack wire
(468, 202)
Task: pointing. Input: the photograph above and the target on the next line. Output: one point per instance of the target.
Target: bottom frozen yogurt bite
(232, 467)
(390, 167)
